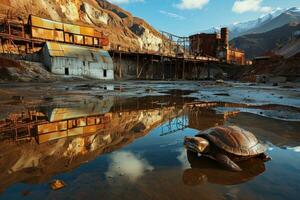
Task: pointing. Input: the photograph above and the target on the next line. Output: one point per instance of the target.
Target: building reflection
(202, 118)
(64, 138)
(204, 170)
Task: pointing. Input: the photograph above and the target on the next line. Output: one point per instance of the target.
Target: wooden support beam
(120, 65)
(183, 68)
(137, 66)
(152, 67)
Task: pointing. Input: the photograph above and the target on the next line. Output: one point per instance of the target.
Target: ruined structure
(64, 59)
(216, 45)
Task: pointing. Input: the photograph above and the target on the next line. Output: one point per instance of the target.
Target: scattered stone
(18, 98)
(220, 81)
(48, 98)
(26, 192)
(99, 97)
(222, 94)
(287, 87)
(149, 90)
(57, 185)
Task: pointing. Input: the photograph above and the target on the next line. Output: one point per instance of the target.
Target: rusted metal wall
(72, 127)
(204, 44)
(68, 33)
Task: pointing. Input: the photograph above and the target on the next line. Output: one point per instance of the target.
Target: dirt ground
(16, 96)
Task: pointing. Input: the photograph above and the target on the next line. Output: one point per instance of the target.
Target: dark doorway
(66, 71)
(104, 73)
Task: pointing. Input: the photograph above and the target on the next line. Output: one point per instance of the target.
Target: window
(104, 73)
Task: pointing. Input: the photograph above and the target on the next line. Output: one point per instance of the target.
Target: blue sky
(184, 17)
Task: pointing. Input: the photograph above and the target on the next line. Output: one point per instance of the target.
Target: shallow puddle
(117, 148)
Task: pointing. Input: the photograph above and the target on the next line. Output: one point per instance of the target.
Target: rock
(18, 98)
(149, 90)
(222, 94)
(220, 81)
(57, 185)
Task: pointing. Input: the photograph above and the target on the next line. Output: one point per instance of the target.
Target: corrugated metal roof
(94, 107)
(80, 52)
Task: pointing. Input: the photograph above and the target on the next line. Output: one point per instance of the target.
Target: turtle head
(196, 144)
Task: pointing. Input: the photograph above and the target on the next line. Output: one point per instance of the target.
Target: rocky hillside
(290, 49)
(120, 26)
(260, 43)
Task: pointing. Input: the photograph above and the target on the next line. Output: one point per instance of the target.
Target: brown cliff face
(120, 26)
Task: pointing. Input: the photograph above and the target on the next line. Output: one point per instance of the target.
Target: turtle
(227, 145)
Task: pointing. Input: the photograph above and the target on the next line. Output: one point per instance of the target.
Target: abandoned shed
(65, 59)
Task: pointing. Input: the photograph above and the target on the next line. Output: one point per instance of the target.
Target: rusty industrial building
(59, 45)
(216, 45)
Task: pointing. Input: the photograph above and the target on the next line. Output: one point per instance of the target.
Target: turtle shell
(234, 140)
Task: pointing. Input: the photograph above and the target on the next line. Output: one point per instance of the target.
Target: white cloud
(124, 1)
(242, 6)
(182, 158)
(127, 165)
(173, 15)
(191, 4)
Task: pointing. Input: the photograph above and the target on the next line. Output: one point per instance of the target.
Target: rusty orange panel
(81, 122)
(46, 128)
(88, 40)
(91, 120)
(104, 42)
(98, 34)
(87, 31)
(42, 33)
(96, 41)
(90, 129)
(78, 39)
(69, 38)
(75, 131)
(59, 36)
(62, 126)
(72, 28)
(45, 23)
(72, 123)
(51, 136)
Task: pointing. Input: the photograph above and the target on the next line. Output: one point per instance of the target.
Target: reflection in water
(202, 118)
(128, 165)
(182, 158)
(205, 170)
(295, 149)
(76, 135)
(97, 131)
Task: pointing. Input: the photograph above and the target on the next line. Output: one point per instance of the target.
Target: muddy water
(138, 153)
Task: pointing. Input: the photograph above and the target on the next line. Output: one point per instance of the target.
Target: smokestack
(225, 36)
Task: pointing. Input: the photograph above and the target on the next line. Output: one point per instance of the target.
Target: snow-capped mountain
(267, 22)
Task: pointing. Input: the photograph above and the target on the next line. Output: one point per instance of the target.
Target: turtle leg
(264, 157)
(227, 162)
